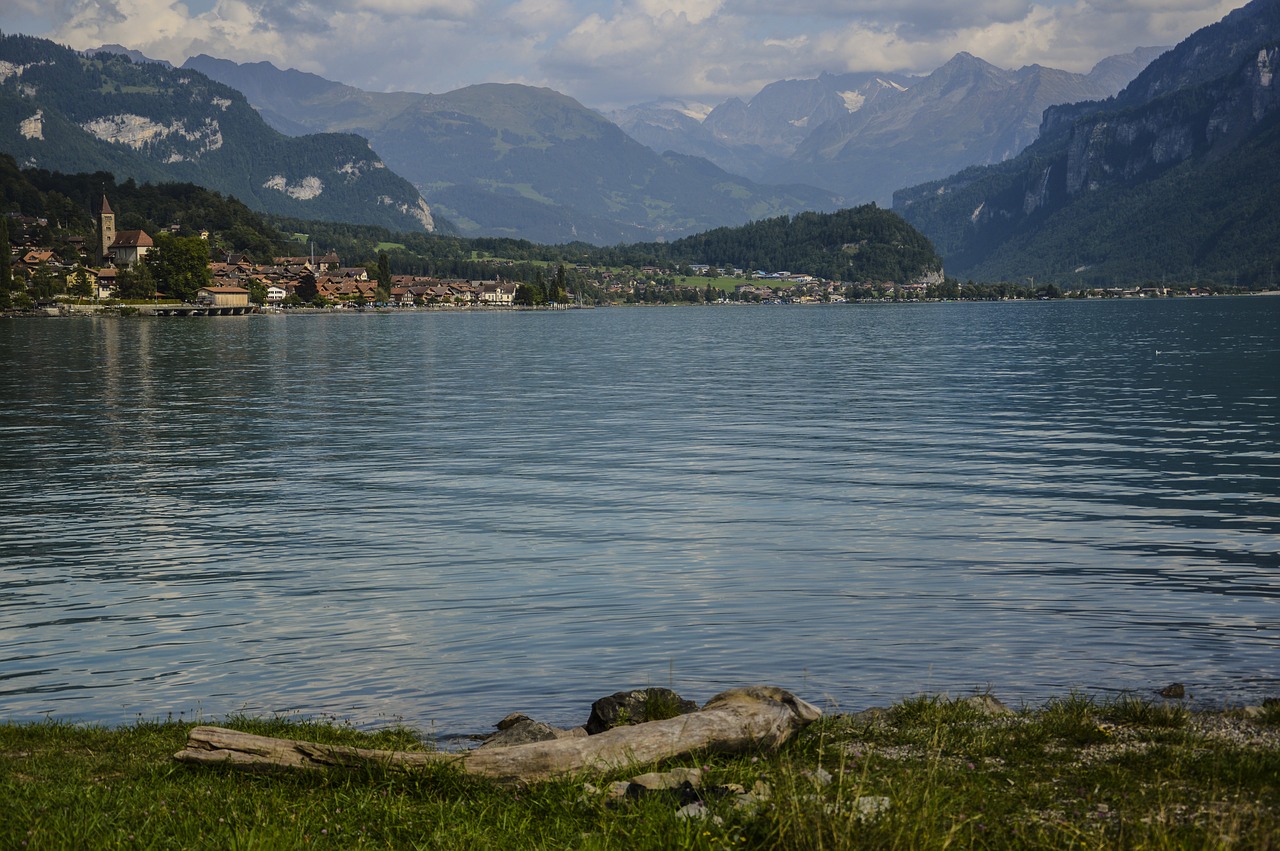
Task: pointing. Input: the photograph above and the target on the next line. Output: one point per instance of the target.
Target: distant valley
(512, 160)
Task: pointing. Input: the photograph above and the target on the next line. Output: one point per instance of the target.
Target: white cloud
(460, 9)
(623, 52)
(542, 15)
(693, 11)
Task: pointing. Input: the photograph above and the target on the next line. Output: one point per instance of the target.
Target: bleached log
(760, 717)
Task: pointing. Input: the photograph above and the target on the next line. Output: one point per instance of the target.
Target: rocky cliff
(1175, 117)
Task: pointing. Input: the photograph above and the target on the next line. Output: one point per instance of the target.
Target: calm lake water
(439, 518)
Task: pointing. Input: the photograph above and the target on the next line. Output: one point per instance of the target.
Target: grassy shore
(926, 773)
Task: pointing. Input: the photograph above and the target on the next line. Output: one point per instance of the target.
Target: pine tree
(384, 277)
(6, 269)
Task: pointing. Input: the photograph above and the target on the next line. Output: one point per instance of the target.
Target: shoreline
(923, 773)
(161, 310)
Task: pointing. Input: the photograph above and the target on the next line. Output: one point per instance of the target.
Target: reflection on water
(440, 518)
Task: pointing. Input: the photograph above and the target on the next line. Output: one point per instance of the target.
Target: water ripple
(439, 518)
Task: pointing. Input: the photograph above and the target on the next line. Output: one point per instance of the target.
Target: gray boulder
(636, 707)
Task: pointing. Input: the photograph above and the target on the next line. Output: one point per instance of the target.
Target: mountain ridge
(1064, 209)
(872, 133)
(65, 111)
(503, 159)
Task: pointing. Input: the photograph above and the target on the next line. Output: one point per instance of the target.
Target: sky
(614, 54)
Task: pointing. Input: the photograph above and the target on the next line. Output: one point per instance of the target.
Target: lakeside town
(114, 276)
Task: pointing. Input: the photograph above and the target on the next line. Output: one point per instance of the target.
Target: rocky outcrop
(1112, 148)
(1183, 109)
(136, 131)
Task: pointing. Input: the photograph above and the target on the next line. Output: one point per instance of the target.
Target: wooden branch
(735, 720)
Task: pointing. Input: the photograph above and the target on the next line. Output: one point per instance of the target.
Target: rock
(987, 704)
(820, 776)
(755, 799)
(636, 707)
(697, 810)
(1176, 691)
(521, 732)
(511, 720)
(673, 779)
(870, 715)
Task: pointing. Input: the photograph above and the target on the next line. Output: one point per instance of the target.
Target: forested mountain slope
(1173, 178)
(858, 244)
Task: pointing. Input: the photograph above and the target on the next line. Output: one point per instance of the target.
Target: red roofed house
(130, 246)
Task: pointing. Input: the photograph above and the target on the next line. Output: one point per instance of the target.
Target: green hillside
(70, 203)
(859, 244)
(1210, 221)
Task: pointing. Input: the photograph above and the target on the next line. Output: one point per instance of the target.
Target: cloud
(694, 11)
(618, 53)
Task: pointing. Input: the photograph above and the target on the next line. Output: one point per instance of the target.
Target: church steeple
(107, 224)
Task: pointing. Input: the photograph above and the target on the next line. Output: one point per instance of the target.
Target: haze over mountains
(866, 135)
(513, 160)
(520, 161)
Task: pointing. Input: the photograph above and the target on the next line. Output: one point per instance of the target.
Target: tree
(384, 271)
(533, 294)
(524, 296)
(179, 265)
(135, 283)
(558, 290)
(307, 290)
(80, 284)
(6, 259)
(45, 284)
(257, 291)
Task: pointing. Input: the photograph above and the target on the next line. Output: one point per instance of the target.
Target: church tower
(107, 224)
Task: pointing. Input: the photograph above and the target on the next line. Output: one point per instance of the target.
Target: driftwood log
(739, 719)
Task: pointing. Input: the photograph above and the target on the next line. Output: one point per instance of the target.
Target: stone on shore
(987, 704)
(520, 729)
(636, 707)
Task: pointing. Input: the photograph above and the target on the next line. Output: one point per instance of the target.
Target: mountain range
(1167, 170)
(514, 160)
(1177, 175)
(65, 111)
(865, 135)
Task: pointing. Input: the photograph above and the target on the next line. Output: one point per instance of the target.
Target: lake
(438, 518)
